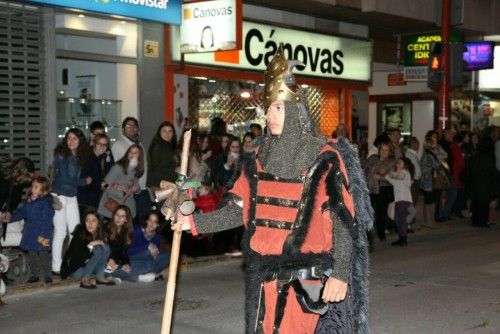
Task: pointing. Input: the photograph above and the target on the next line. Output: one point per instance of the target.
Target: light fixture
(245, 94)
(200, 78)
(211, 80)
(81, 16)
(261, 85)
(304, 86)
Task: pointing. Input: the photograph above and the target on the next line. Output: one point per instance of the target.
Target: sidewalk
(187, 263)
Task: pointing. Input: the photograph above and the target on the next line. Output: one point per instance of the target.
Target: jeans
(144, 262)
(449, 203)
(95, 265)
(65, 221)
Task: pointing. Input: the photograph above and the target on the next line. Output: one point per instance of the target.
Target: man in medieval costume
(305, 208)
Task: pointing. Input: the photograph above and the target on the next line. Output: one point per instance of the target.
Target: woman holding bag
(122, 182)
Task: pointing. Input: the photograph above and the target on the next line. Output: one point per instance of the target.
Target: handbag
(111, 204)
(440, 178)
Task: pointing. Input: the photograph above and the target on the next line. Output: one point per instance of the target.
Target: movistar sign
(166, 11)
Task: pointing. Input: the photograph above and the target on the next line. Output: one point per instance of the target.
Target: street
(446, 281)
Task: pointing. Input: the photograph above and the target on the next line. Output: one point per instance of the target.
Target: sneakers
(147, 278)
(233, 252)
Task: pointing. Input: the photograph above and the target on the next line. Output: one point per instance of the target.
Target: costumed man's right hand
(183, 223)
(334, 291)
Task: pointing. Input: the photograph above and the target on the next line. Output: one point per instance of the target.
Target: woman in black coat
(87, 254)
(482, 179)
(162, 156)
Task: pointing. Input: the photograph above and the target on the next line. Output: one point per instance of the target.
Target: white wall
(422, 119)
(125, 34)
(126, 77)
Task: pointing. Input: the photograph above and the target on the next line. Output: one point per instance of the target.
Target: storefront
(68, 63)
(229, 84)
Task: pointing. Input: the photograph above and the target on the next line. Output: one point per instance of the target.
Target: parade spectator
(457, 186)
(95, 128)
(412, 154)
(70, 156)
(87, 253)
(122, 182)
(97, 166)
(162, 155)
(15, 177)
(226, 162)
(395, 136)
(205, 201)
(38, 214)
(256, 129)
(381, 191)
(130, 135)
(401, 180)
(197, 167)
(120, 235)
(248, 142)
(431, 160)
(482, 179)
(144, 252)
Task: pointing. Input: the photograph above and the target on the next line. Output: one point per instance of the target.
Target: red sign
(396, 79)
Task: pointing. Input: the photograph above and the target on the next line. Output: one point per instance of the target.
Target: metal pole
(444, 88)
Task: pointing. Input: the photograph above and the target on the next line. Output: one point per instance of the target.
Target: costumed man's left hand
(335, 290)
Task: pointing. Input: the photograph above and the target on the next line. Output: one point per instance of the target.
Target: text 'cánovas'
(317, 59)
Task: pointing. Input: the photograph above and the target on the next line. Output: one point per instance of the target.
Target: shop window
(239, 104)
(395, 115)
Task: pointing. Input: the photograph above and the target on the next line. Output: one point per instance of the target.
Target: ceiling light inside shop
(261, 85)
(81, 16)
(211, 80)
(200, 78)
(245, 94)
(304, 86)
(249, 108)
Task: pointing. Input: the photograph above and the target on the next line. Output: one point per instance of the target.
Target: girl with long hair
(120, 235)
(70, 155)
(88, 253)
(162, 156)
(122, 182)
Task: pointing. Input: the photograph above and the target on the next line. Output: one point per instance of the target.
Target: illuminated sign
(478, 55)
(166, 11)
(211, 25)
(323, 55)
(416, 47)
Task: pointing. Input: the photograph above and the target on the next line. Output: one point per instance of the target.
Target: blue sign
(166, 11)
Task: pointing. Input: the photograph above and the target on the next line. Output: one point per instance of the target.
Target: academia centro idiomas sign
(416, 48)
(322, 55)
(166, 11)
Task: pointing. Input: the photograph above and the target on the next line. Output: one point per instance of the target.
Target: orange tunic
(273, 211)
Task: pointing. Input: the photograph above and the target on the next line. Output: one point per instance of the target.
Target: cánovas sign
(322, 55)
(323, 60)
(166, 11)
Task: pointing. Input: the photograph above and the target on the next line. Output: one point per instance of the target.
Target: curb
(187, 263)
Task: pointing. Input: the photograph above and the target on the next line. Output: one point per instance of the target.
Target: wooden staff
(176, 244)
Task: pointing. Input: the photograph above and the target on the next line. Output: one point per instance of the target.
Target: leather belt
(311, 273)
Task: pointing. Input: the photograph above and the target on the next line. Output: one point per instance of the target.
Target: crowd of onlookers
(456, 175)
(95, 218)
